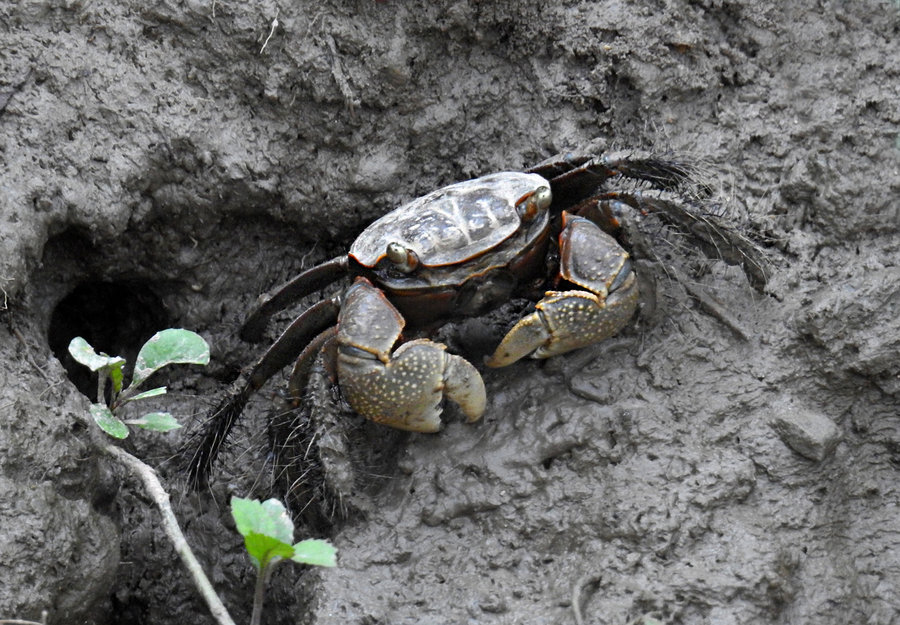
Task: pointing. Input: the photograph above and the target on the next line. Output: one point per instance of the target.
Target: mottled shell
(452, 224)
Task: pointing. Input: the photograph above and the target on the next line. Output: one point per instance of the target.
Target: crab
(547, 234)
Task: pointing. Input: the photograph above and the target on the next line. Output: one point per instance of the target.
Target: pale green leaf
(153, 392)
(173, 346)
(104, 417)
(268, 518)
(156, 421)
(266, 527)
(316, 552)
(84, 354)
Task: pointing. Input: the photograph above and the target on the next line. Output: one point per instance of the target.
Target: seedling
(269, 538)
(164, 348)
(267, 530)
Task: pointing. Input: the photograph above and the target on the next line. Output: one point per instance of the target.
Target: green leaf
(267, 530)
(153, 392)
(104, 417)
(169, 347)
(268, 518)
(156, 421)
(316, 552)
(264, 549)
(114, 370)
(83, 353)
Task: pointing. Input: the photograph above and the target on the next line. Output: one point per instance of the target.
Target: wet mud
(730, 457)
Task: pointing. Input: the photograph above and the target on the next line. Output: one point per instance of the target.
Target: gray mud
(689, 470)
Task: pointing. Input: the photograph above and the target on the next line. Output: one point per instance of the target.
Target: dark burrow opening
(114, 317)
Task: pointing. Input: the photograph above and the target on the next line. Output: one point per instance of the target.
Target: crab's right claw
(562, 322)
(567, 320)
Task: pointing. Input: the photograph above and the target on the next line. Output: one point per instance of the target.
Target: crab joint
(529, 207)
(405, 259)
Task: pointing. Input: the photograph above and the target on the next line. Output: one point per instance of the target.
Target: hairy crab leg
(575, 177)
(304, 284)
(222, 419)
(716, 239)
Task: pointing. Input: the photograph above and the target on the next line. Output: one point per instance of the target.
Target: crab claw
(567, 320)
(402, 389)
(562, 322)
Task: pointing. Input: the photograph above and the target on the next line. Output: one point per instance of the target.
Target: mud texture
(180, 157)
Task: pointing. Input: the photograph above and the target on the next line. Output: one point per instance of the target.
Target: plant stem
(259, 593)
(123, 397)
(173, 530)
(101, 387)
(258, 596)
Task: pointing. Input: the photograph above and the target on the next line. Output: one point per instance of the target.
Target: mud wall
(205, 151)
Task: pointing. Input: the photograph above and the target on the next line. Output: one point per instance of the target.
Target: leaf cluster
(168, 347)
(266, 527)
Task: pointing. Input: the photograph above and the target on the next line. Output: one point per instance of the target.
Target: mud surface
(183, 156)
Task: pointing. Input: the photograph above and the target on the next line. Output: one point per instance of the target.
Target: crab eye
(405, 259)
(529, 208)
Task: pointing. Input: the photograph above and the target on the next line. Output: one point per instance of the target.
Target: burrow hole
(114, 317)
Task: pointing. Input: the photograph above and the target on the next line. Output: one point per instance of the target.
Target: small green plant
(269, 538)
(267, 530)
(168, 347)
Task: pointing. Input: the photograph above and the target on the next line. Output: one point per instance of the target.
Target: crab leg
(575, 177)
(567, 320)
(302, 285)
(402, 389)
(222, 419)
(302, 371)
(715, 238)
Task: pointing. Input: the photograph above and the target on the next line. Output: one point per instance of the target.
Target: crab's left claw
(567, 320)
(402, 389)
(562, 322)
